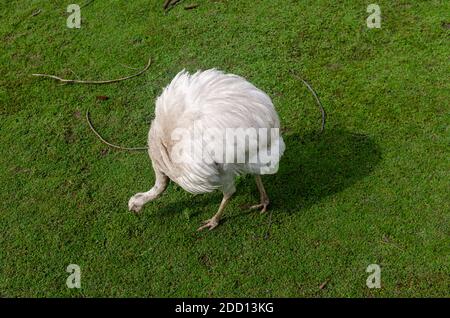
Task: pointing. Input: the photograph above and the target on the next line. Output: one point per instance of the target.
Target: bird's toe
(211, 224)
(262, 206)
(134, 205)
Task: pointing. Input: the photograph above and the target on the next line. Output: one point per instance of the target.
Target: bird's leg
(214, 221)
(264, 199)
(138, 200)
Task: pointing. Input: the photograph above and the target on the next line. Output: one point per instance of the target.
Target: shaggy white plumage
(210, 127)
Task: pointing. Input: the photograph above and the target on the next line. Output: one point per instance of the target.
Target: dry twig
(169, 4)
(313, 92)
(71, 81)
(106, 142)
(35, 13)
(191, 6)
(324, 284)
(166, 4)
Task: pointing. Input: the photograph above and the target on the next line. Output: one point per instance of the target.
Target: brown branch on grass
(191, 6)
(166, 4)
(313, 92)
(107, 142)
(101, 98)
(71, 81)
(174, 2)
(169, 4)
(324, 284)
(35, 13)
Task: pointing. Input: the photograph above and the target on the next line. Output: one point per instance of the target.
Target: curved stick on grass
(324, 116)
(70, 81)
(169, 4)
(108, 143)
(191, 6)
(35, 13)
(166, 4)
(322, 110)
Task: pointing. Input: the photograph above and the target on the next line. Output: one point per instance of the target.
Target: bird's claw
(135, 204)
(263, 206)
(211, 224)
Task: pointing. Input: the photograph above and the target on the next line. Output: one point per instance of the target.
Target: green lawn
(374, 188)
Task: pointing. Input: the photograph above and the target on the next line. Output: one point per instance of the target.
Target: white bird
(188, 139)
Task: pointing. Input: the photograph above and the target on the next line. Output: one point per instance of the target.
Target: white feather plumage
(200, 102)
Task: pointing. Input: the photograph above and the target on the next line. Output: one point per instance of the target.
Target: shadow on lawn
(313, 167)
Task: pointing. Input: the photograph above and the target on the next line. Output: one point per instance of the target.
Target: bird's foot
(262, 206)
(211, 224)
(136, 203)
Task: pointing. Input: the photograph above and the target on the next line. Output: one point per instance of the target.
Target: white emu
(210, 100)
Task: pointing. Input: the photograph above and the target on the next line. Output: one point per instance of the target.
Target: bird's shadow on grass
(316, 166)
(313, 167)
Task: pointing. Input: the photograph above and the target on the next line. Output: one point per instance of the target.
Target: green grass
(374, 188)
